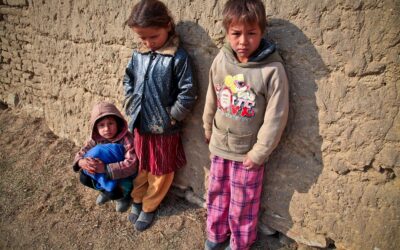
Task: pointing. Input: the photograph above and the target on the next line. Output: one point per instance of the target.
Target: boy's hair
(150, 13)
(244, 11)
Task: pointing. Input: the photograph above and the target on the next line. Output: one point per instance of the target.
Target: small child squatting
(107, 161)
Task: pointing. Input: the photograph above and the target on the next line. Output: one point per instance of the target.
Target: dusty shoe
(144, 221)
(123, 204)
(135, 212)
(209, 245)
(101, 199)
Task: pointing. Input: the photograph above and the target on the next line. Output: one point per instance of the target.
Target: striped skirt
(159, 154)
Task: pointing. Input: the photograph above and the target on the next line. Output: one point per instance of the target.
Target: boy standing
(244, 116)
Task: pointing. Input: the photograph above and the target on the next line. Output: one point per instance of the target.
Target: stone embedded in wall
(13, 100)
(16, 2)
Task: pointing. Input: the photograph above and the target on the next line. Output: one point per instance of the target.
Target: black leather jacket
(159, 88)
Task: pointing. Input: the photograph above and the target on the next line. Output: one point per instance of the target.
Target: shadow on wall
(297, 162)
(202, 51)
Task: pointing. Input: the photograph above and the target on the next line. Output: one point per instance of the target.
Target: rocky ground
(43, 206)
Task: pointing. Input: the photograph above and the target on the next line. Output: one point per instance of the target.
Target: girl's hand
(249, 164)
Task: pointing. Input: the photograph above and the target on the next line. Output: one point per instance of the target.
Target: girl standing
(159, 93)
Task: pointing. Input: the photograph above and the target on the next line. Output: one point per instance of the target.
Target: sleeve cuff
(256, 158)
(108, 171)
(178, 112)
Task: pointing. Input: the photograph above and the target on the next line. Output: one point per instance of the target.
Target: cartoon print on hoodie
(236, 99)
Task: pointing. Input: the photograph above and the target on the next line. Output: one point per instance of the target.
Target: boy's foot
(101, 199)
(144, 221)
(209, 245)
(123, 204)
(135, 212)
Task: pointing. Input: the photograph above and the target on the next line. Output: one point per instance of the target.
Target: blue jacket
(159, 88)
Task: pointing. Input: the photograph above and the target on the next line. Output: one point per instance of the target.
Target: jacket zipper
(146, 78)
(152, 57)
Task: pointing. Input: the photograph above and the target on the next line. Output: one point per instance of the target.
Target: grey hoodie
(247, 104)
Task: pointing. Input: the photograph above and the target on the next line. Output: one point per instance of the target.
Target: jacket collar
(169, 48)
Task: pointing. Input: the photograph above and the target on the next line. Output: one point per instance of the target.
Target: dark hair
(150, 13)
(247, 11)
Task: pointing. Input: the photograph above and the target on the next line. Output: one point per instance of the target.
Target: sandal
(144, 221)
(135, 212)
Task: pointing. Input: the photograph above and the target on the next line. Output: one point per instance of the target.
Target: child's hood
(103, 109)
(265, 54)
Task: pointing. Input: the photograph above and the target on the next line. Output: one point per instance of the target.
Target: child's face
(244, 39)
(107, 127)
(153, 37)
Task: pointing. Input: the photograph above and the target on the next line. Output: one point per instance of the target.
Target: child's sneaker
(123, 204)
(101, 199)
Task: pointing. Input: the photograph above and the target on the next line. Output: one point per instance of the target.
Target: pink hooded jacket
(116, 170)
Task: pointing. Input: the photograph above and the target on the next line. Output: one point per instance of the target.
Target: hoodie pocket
(240, 144)
(219, 138)
(226, 141)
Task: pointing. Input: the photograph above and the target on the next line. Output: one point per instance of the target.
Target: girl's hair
(244, 11)
(150, 13)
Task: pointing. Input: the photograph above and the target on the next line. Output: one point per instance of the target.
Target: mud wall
(334, 179)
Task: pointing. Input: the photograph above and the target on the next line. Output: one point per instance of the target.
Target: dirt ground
(43, 205)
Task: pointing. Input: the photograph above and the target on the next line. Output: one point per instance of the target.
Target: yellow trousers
(151, 189)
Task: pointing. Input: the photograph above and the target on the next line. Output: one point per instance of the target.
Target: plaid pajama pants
(233, 202)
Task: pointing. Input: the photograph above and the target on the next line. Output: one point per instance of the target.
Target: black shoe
(144, 221)
(123, 204)
(209, 245)
(135, 212)
(102, 199)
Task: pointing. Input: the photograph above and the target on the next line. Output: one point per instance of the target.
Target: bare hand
(99, 166)
(92, 165)
(84, 164)
(207, 138)
(249, 164)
